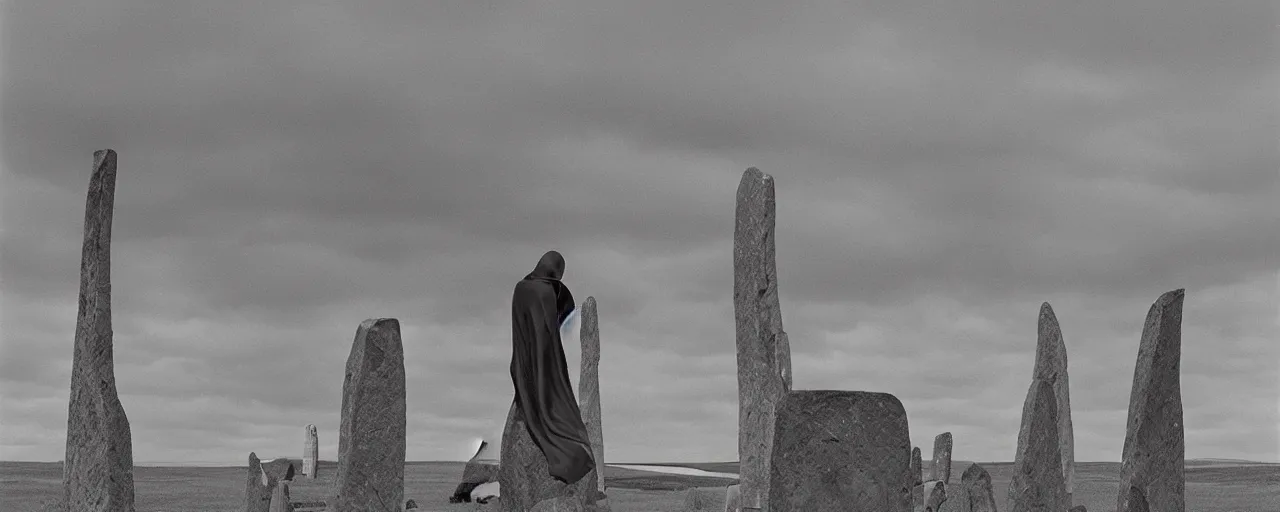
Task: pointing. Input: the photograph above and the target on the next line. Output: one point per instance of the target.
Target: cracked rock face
(97, 471)
(763, 348)
(840, 451)
(371, 437)
(1154, 449)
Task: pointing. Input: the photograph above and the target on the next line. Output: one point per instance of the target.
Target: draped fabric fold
(543, 393)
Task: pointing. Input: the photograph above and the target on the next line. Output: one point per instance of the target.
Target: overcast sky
(942, 169)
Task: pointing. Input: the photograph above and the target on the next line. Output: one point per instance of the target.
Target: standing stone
(280, 498)
(1134, 501)
(281, 469)
(974, 494)
(310, 452)
(928, 496)
(764, 357)
(841, 451)
(1051, 367)
(732, 498)
(475, 473)
(524, 476)
(97, 472)
(1037, 484)
(589, 390)
(257, 487)
(371, 437)
(1153, 442)
(916, 473)
(941, 470)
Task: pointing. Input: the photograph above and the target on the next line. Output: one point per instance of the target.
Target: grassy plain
(26, 486)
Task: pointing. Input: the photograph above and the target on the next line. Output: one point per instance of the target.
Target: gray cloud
(286, 172)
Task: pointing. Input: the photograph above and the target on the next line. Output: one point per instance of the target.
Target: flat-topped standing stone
(1153, 453)
(916, 473)
(589, 391)
(257, 487)
(524, 476)
(764, 357)
(1051, 367)
(1037, 467)
(843, 451)
(371, 437)
(310, 452)
(941, 469)
(97, 473)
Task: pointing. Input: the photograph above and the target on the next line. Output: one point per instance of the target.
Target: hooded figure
(544, 396)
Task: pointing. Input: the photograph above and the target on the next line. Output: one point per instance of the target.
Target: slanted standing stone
(764, 354)
(476, 473)
(310, 452)
(524, 476)
(257, 487)
(941, 469)
(840, 451)
(1154, 447)
(589, 391)
(280, 498)
(371, 437)
(97, 473)
(1037, 467)
(1051, 367)
(916, 473)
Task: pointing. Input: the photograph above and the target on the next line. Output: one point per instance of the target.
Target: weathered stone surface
(257, 487)
(928, 495)
(280, 499)
(941, 470)
(474, 473)
(764, 357)
(1051, 367)
(524, 475)
(561, 504)
(279, 469)
(1134, 501)
(917, 474)
(371, 437)
(732, 498)
(97, 472)
(840, 451)
(410, 505)
(1079, 508)
(310, 452)
(1037, 467)
(974, 494)
(589, 388)
(1154, 449)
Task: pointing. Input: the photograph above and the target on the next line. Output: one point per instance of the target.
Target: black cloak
(541, 303)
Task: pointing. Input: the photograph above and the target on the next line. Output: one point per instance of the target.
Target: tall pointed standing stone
(371, 437)
(941, 469)
(310, 452)
(1154, 449)
(1051, 367)
(589, 384)
(764, 357)
(97, 473)
(916, 464)
(1037, 466)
